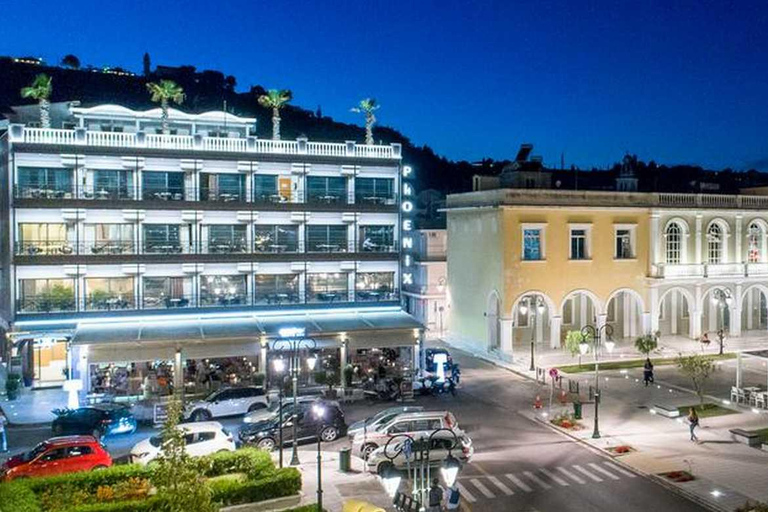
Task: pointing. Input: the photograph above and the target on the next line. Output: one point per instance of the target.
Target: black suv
(97, 421)
(322, 417)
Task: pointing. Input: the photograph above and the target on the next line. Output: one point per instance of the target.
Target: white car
(382, 418)
(203, 438)
(442, 443)
(227, 402)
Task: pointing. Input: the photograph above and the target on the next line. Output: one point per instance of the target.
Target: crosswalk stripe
(482, 488)
(538, 480)
(465, 493)
(573, 477)
(603, 471)
(554, 477)
(621, 470)
(498, 483)
(590, 475)
(519, 482)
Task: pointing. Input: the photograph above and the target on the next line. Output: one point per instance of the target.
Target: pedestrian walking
(3, 435)
(693, 422)
(648, 371)
(435, 497)
(452, 497)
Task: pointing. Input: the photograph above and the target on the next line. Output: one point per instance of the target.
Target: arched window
(754, 243)
(715, 243)
(674, 244)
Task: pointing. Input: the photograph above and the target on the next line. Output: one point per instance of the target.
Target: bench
(666, 410)
(745, 437)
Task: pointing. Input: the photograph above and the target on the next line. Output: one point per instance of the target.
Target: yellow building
(530, 265)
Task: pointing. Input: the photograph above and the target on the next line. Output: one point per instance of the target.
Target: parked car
(273, 410)
(96, 420)
(381, 418)
(57, 455)
(203, 438)
(414, 424)
(442, 444)
(433, 356)
(227, 402)
(266, 434)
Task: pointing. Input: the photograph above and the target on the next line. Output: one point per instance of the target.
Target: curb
(695, 498)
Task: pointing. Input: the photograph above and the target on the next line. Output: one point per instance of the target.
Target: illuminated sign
(292, 332)
(407, 225)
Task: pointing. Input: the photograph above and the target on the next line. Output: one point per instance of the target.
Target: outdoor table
(278, 247)
(327, 297)
(102, 194)
(329, 247)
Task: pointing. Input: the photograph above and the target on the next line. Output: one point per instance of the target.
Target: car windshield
(35, 452)
(156, 441)
(212, 396)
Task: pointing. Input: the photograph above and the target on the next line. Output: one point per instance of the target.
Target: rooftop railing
(198, 143)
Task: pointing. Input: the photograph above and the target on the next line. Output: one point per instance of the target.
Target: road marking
(465, 493)
(538, 480)
(498, 483)
(603, 471)
(554, 477)
(590, 475)
(519, 482)
(621, 470)
(573, 477)
(482, 488)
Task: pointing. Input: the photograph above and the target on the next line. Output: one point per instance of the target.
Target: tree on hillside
(698, 368)
(367, 107)
(275, 99)
(70, 61)
(163, 93)
(41, 91)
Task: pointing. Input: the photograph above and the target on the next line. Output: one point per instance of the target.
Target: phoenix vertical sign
(407, 207)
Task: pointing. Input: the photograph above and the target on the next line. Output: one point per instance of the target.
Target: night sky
(682, 83)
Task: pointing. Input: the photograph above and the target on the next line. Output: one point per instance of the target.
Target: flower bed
(243, 476)
(566, 421)
(621, 449)
(678, 476)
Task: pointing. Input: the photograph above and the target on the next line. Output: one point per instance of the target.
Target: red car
(57, 455)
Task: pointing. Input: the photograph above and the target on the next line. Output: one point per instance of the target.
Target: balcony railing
(724, 269)
(757, 269)
(679, 270)
(198, 143)
(711, 270)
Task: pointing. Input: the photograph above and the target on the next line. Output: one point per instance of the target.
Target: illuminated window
(674, 244)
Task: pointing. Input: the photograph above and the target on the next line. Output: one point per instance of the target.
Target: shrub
(17, 497)
(646, 344)
(285, 482)
(252, 462)
(151, 504)
(12, 385)
(90, 481)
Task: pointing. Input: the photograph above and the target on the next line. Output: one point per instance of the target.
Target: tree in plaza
(41, 91)
(71, 61)
(698, 368)
(573, 341)
(176, 475)
(646, 344)
(164, 92)
(367, 107)
(275, 99)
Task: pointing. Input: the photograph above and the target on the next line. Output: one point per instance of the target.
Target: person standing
(648, 371)
(435, 497)
(3, 434)
(693, 422)
(452, 497)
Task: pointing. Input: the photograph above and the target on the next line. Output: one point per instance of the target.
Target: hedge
(150, 504)
(284, 482)
(90, 480)
(252, 462)
(17, 497)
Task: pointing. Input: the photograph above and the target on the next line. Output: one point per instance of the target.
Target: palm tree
(41, 91)
(367, 106)
(275, 99)
(164, 92)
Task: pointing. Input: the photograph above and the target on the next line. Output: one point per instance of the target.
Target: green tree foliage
(41, 90)
(176, 475)
(698, 369)
(367, 107)
(275, 99)
(164, 92)
(646, 344)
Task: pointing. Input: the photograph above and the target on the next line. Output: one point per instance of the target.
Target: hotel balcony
(19, 134)
(714, 270)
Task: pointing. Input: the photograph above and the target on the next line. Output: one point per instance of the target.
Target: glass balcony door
(167, 292)
(35, 239)
(225, 238)
(109, 239)
(376, 238)
(109, 293)
(375, 191)
(374, 286)
(327, 288)
(223, 290)
(326, 190)
(45, 183)
(46, 295)
(166, 186)
(271, 189)
(276, 289)
(166, 238)
(222, 187)
(110, 184)
(275, 238)
(323, 238)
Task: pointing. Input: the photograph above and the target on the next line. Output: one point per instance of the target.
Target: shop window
(223, 290)
(375, 286)
(327, 287)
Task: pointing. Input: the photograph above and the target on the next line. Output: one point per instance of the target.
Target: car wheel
(329, 434)
(383, 467)
(98, 468)
(201, 415)
(367, 449)
(256, 407)
(266, 444)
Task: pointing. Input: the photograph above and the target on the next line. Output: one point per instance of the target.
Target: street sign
(553, 373)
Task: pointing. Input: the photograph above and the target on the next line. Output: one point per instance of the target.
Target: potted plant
(12, 385)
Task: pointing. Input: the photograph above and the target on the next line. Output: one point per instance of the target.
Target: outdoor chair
(760, 400)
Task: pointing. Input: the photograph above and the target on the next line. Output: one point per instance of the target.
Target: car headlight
(247, 420)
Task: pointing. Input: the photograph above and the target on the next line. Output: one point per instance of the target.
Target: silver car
(273, 410)
(381, 418)
(441, 443)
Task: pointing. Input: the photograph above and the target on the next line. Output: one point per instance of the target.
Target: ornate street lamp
(590, 332)
(536, 304)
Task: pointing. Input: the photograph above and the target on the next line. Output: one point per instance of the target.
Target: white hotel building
(125, 245)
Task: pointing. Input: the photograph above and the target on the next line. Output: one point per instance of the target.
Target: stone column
(738, 369)
(626, 315)
(555, 324)
(646, 322)
(178, 372)
(654, 306)
(673, 312)
(697, 249)
(655, 239)
(737, 254)
(736, 307)
(505, 332)
(750, 309)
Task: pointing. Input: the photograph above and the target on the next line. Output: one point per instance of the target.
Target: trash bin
(345, 460)
(576, 411)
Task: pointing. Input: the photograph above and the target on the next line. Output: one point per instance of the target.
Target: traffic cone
(537, 402)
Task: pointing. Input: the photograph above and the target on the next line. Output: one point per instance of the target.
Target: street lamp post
(279, 365)
(293, 341)
(319, 412)
(536, 305)
(420, 450)
(721, 298)
(595, 333)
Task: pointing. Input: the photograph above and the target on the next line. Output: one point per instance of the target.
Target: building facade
(125, 244)
(425, 298)
(530, 265)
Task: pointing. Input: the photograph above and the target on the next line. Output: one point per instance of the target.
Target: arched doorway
(579, 308)
(716, 310)
(754, 310)
(624, 312)
(532, 314)
(492, 314)
(674, 314)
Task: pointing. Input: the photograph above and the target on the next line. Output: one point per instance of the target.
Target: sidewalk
(34, 407)
(338, 486)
